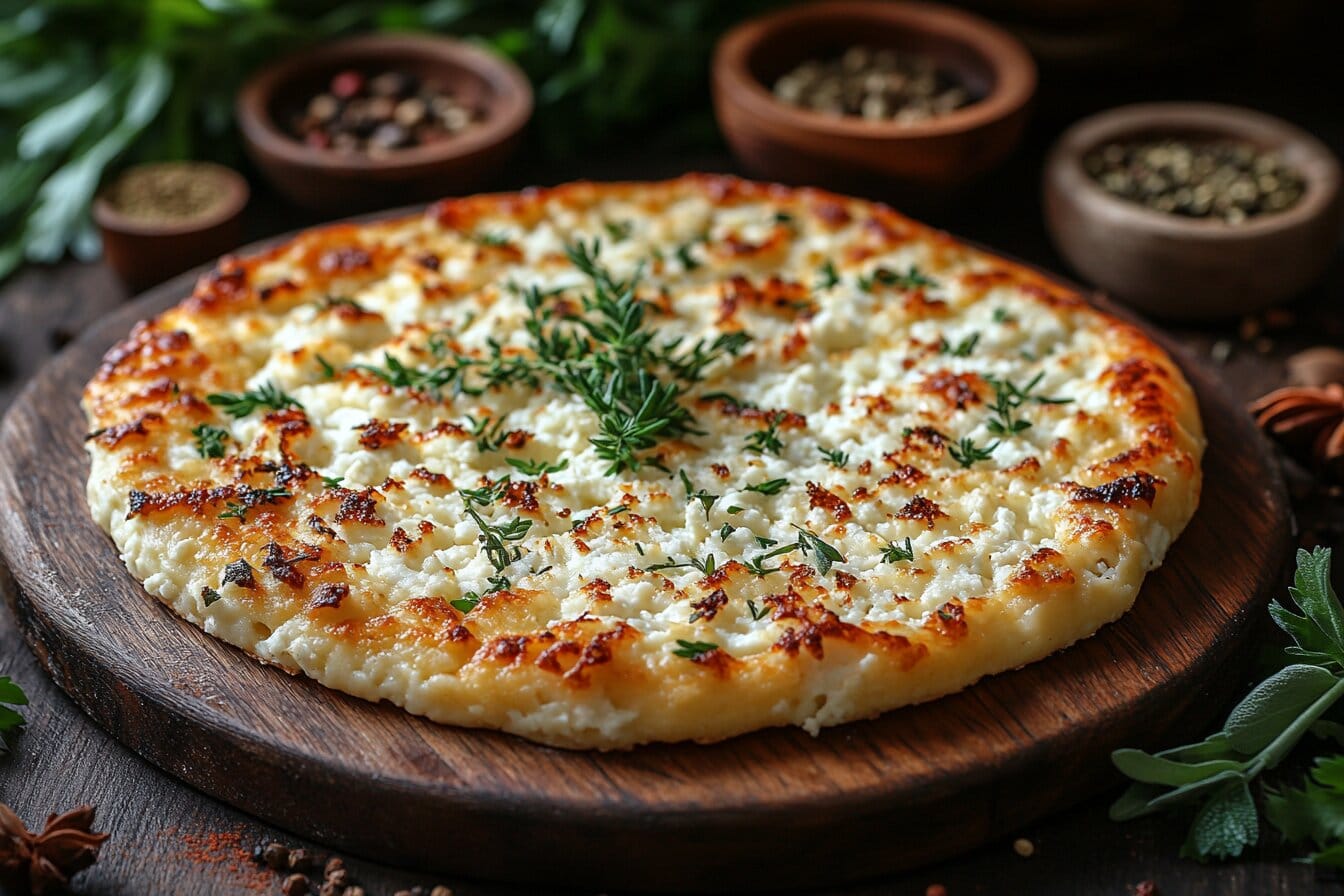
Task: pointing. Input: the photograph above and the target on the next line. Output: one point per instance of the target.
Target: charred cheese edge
(331, 537)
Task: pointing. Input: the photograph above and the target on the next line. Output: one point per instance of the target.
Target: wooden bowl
(142, 253)
(784, 142)
(1184, 268)
(334, 181)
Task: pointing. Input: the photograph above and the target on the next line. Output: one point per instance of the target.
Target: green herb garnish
(895, 553)
(692, 649)
(911, 279)
(834, 456)
(240, 404)
(827, 276)
(962, 349)
(536, 467)
(767, 440)
(11, 722)
(768, 487)
(966, 452)
(1008, 397)
(1213, 776)
(210, 440)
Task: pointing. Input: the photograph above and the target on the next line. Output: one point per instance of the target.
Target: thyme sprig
(1008, 398)
(210, 440)
(240, 404)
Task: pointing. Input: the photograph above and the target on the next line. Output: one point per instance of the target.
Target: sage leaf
(1273, 705)
(1149, 769)
(1224, 826)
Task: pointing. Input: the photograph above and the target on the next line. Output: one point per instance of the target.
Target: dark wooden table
(167, 838)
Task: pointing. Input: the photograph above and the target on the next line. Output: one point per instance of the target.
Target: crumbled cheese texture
(1036, 456)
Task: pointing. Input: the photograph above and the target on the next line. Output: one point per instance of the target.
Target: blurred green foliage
(86, 85)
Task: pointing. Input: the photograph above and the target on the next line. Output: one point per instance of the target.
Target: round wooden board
(775, 809)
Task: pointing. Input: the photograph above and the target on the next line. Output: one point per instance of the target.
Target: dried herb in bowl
(1229, 180)
(877, 84)
(169, 192)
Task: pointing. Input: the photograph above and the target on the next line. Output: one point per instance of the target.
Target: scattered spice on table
(377, 114)
(1227, 180)
(877, 84)
(1024, 847)
(169, 192)
(44, 863)
(296, 867)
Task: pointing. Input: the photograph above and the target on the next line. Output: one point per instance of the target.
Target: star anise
(45, 862)
(1309, 420)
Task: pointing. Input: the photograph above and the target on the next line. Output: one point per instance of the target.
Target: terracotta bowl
(333, 181)
(143, 253)
(1183, 268)
(785, 142)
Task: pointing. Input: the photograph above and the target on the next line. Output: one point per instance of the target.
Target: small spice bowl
(336, 180)
(787, 142)
(1192, 268)
(163, 218)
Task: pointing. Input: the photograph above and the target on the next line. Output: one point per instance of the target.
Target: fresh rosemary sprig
(240, 404)
(536, 467)
(966, 452)
(210, 440)
(962, 349)
(768, 487)
(488, 432)
(692, 649)
(767, 440)
(495, 537)
(705, 498)
(834, 456)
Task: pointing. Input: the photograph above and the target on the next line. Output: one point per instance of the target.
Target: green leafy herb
(486, 494)
(240, 404)
(1001, 316)
(692, 649)
(768, 487)
(966, 452)
(757, 613)
(328, 371)
(210, 440)
(767, 440)
(895, 553)
(911, 279)
(704, 566)
(827, 276)
(488, 432)
(466, 603)
(810, 543)
(252, 497)
(688, 261)
(332, 481)
(1213, 775)
(492, 238)
(536, 467)
(1008, 397)
(726, 530)
(618, 231)
(209, 595)
(705, 498)
(962, 349)
(834, 456)
(495, 537)
(11, 722)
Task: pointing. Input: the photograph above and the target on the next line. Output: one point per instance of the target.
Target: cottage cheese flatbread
(614, 463)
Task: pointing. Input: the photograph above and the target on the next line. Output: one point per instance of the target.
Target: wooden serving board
(774, 809)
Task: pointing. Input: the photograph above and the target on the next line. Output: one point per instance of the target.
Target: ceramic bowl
(1183, 268)
(330, 180)
(142, 253)
(784, 142)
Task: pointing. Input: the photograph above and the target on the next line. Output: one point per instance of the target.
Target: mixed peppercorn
(380, 113)
(877, 84)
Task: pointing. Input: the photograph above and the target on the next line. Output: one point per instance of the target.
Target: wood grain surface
(945, 775)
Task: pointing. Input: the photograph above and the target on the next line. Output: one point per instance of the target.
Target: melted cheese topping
(965, 467)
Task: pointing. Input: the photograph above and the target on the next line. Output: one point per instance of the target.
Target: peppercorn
(276, 856)
(334, 864)
(301, 860)
(295, 885)
(380, 113)
(441, 890)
